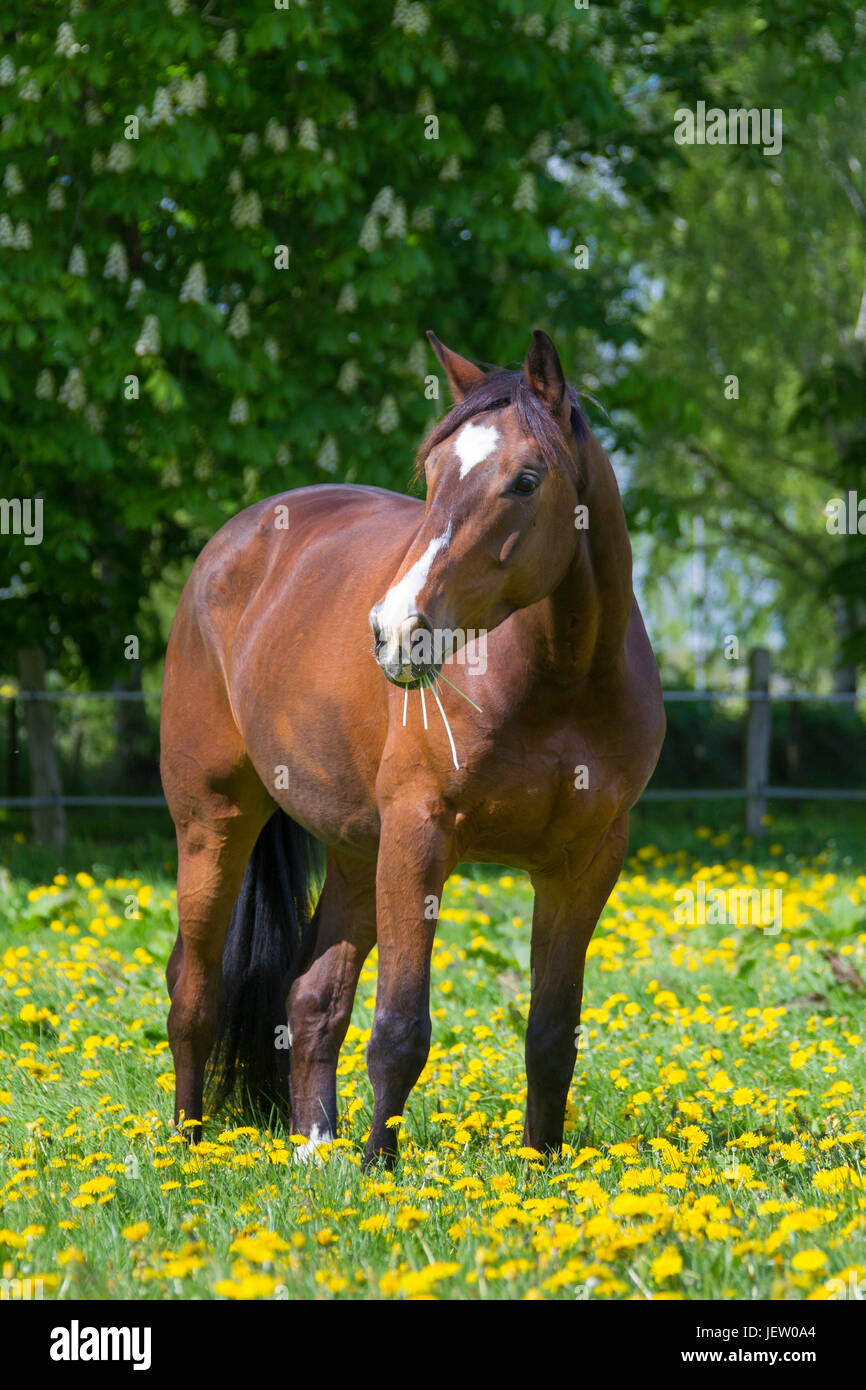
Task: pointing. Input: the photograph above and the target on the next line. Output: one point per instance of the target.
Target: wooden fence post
(758, 727)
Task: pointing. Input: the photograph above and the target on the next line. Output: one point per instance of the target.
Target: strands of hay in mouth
(429, 682)
(447, 725)
(444, 678)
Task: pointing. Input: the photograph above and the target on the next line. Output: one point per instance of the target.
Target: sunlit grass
(715, 1134)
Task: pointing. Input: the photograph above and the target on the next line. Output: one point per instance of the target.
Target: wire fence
(755, 789)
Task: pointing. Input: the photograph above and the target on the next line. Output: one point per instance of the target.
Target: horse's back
(329, 505)
(286, 533)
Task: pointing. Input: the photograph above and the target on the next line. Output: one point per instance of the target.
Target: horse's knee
(399, 1045)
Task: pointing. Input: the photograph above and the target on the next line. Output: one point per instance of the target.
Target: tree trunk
(49, 821)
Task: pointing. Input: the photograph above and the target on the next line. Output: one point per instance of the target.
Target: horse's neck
(584, 621)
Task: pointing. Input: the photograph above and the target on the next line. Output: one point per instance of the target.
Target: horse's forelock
(501, 388)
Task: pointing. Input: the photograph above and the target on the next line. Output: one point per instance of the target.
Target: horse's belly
(338, 809)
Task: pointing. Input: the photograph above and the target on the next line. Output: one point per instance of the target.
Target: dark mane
(499, 388)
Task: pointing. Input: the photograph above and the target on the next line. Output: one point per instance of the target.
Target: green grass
(714, 1138)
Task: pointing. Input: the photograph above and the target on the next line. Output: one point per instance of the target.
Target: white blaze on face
(401, 599)
(473, 444)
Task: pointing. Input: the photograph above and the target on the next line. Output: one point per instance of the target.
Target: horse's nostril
(374, 624)
(416, 638)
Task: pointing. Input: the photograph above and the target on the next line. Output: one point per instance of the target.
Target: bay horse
(286, 729)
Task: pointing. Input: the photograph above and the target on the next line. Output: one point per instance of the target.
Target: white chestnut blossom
(349, 377)
(238, 325)
(389, 416)
(369, 237)
(411, 16)
(116, 263)
(194, 288)
(524, 198)
(149, 340)
(121, 157)
(45, 388)
(227, 48)
(348, 300)
(72, 393)
(12, 180)
(66, 45)
(328, 455)
(308, 135)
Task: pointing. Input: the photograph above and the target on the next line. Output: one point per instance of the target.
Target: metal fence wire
(755, 790)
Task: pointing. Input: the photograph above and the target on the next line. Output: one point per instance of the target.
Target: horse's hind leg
(218, 805)
(212, 857)
(320, 999)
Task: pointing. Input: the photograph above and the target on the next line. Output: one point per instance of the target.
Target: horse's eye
(524, 484)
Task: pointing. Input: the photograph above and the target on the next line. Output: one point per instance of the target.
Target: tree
(223, 236)
(744, 405)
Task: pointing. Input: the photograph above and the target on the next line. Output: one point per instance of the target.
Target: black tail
(269, 932)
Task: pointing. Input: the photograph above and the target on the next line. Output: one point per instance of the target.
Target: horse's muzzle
(405, 654)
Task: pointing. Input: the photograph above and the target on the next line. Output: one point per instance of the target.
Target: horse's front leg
(566, 911)
(416, 855)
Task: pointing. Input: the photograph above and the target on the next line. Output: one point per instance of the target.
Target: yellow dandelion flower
(180, 1268)
(248, 1287)
(792, 1153)
(408, 1218)
(373, 1223)
(421, 1281)
(97, 1185)
(259, 1248)
(809, 1260)
(668, 1263)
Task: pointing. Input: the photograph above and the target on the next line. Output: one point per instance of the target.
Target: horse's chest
(536, 799)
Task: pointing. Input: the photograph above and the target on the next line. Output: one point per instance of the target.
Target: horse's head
(499, 529)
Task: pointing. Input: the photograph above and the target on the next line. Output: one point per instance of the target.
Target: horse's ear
(544, 373)
(462, 375)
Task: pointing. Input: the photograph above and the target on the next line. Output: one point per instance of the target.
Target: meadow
(715, 1129)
